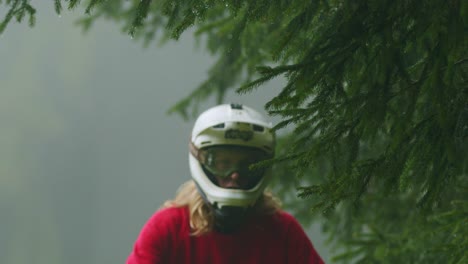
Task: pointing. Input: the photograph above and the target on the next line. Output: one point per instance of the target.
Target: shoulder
(169, 216)
(287, 224)
(298, 243)
(281, 221)
(159, 234)
(285, 218)
(166, 222)
(170, 213)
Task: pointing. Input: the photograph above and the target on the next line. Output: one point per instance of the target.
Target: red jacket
(270, 239)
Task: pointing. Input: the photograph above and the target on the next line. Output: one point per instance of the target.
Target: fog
(87, 150)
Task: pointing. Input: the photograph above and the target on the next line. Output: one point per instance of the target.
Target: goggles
(222, 161)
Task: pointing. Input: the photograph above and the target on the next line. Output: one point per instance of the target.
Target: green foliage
(18, 9)
(377, 99)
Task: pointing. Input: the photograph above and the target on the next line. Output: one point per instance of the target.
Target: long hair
(201, 218)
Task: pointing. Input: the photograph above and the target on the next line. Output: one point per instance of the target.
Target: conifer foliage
(376, 99)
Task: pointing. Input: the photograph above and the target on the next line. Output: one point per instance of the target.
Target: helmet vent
(258, 128)
(219, 125)
(236, 106)
(205, 142)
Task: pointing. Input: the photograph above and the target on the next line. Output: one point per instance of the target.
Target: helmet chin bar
(227, 219)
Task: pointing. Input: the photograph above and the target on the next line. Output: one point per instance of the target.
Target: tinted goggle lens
(223, 161)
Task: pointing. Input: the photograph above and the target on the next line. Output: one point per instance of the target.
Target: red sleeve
(153, 242)
(300, 248)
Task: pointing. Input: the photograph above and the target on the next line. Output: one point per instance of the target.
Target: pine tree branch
(18, 9)
(140, 16)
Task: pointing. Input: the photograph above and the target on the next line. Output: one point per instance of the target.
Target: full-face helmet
(233, 126)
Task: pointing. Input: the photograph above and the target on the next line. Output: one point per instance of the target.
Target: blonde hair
(201, 218)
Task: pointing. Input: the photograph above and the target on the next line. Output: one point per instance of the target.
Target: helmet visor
(222, 161)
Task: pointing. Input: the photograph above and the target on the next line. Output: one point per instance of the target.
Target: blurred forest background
(87, 149)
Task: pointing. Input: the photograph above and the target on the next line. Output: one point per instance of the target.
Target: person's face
(230, 166)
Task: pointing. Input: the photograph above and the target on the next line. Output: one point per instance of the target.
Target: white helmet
(235, 125)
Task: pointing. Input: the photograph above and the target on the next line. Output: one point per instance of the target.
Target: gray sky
(87, 151)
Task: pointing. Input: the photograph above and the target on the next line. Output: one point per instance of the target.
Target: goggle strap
(194, 150)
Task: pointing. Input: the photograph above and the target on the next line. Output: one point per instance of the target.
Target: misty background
(87, 149)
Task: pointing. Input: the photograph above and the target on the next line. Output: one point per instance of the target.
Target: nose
(234, 175)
